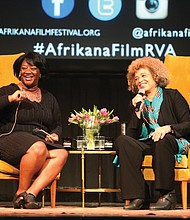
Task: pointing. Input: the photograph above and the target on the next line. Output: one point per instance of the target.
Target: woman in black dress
(23, 108)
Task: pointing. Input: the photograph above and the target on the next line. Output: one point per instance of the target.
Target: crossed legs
(44, 163)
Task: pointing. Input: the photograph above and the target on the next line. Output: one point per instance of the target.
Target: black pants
(131, 154)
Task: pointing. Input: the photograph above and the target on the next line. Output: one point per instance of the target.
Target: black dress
(25, 117)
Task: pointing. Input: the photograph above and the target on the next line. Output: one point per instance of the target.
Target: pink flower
(70, 120)
(73, 116)
(93, 117)
(86, 116)
(104, 112)
(78, 118)
(108, 120)
(102, 122)
(115, 118)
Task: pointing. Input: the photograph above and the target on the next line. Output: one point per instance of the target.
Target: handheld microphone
(142, 93)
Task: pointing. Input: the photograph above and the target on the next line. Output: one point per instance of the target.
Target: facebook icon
(58, 8)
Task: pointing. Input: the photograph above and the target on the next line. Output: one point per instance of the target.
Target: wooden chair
(7, 171)
(179, 71)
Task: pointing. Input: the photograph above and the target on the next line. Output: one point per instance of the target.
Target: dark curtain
(75, 92)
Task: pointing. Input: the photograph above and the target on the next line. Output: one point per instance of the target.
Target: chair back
(6, 69)
(179, 71)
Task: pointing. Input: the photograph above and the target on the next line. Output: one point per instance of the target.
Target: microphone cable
(15, 120)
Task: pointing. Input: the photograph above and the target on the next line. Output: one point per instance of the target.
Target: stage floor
(105, 211)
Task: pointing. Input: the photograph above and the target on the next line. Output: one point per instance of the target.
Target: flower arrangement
(91, 121)
(93, 118)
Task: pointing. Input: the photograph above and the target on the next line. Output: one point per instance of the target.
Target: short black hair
(32, 58)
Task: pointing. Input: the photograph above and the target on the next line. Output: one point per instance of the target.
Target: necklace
(33, 94)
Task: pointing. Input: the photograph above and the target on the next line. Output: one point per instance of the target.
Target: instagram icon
(152, 9)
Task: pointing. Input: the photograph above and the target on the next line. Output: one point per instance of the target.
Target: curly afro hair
(156, 67)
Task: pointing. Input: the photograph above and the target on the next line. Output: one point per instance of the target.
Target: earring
(19, 76)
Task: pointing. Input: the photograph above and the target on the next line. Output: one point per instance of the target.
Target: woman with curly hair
(159, 125)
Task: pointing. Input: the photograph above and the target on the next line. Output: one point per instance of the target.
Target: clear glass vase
(90, 129)
(89, 134)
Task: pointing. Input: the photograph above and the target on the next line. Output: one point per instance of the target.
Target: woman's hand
(138, 99)
(160, 132)
(17, 96)
(52, 137)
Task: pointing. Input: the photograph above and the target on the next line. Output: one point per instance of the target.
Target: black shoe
(137, 204)
(30, 202)
(18, 200)
(166, 202)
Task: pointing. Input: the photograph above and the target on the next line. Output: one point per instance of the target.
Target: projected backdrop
(95, 29)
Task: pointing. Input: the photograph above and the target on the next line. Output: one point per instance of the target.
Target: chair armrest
(7, 168)
(188, 158)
